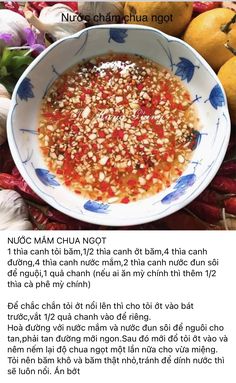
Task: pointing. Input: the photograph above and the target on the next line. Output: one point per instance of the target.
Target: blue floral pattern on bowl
(118, 35)
(96, 207)
(208, 148)
(181, 186)
(46, 177)
(185, 69)
(216, 97)
(25, 89)
(197, 138)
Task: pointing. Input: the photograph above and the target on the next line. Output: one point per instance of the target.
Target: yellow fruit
(168, 17)
(227, 75)
(209, 32)
(231, 43)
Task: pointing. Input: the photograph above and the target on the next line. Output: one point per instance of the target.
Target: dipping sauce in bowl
(117, 128)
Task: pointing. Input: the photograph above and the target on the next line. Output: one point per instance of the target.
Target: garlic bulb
(4, 92)
(98, 11)
(12, 27)
(4, 108)
(51, 21)
(13, 212)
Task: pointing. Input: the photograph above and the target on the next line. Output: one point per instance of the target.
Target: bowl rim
(97, 218)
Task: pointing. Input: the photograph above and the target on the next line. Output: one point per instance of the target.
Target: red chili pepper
(132, 183)
(211, 197)
(231, 147)
(228, 168)
(140, 87)
(125, 200)
(13, 6)
(56, 215)
(17, 183)
(230, 205)
(37, 216)
(183, 221)
(159, 130)
(46, 214)
(87, 91)
(75, 128)
(6, 160)
(7, 181)
(200, 7)
(110, 192)
(104, 186)
(56, 226)
(206, 212)
(101, 134)
(115, 133)
(141, 138)
(168, 96)
(15, 172)
(38, 5)
(121, 134)
(136, 122)
(224, 185)
(146, 110)
(156, 100)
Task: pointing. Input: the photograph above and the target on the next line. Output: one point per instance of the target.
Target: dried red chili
(38, 5)
(224, 184)
(210, 197)
(206, 212)
(37, 217)
(230, 205)
(13, 6)
(17, 183)
(228, 168)
(6, 160)
(56, 226)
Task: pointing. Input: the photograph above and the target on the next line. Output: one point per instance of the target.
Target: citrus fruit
(227, 76)
(168, 17)
(210, 32)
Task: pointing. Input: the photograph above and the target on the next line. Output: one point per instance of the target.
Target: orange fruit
(227, 76)
(210, 32)
(169, 17)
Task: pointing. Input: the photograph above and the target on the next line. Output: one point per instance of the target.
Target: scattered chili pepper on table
(186, 220)
(217, 203)
(52, 214)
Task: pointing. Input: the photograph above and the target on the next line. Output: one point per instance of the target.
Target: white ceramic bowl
(202, 82)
